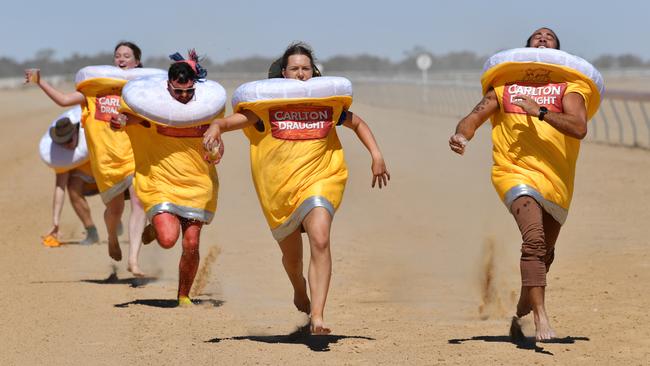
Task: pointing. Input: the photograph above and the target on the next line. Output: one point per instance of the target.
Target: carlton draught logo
(300, 122)
(106, 106)
(546, 94)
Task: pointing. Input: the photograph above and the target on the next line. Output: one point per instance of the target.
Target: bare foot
(301, 300)
(523, 306)
(318, 328)
(302, 303)
(543, 330)
(516, 334)
(114, 250)
(148, 234)
(135, 270)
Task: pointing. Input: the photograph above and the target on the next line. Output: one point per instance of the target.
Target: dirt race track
(425, 271)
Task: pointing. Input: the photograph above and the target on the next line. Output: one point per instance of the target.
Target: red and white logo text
(106, 106)
(548, 95)
(300, 122)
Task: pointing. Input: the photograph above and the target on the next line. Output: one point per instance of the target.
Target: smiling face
(124, 58)
(298, 67)
(182, 92)
(543, 38)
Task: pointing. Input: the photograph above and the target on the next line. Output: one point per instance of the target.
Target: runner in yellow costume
(64, 149)
(298, 165)
(539, 100)
(178, 188)
(110, 153)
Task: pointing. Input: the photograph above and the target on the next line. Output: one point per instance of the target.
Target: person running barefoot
(539, 102)
(111, 155)
(300, 174)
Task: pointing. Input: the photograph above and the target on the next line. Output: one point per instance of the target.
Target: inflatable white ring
(57, 156)
(150, 98)
(548, 56)
(114, 72)
(268, 89)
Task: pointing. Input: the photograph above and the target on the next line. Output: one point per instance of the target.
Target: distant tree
(629, 60)
(361, 63)
(605, 62)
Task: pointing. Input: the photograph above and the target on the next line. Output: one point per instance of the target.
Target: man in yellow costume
(539, 113)
(177, 187)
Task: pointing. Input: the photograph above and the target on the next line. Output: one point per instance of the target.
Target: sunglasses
(181, 91)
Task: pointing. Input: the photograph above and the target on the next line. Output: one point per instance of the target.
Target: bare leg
(543, 330)
(81, 208)
(317, 225)
(112, 216)
(167, 228)
(189, 263)
(78, 201)
(291, 248)
(136, 225)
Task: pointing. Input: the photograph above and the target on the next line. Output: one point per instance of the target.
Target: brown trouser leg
(539, 232)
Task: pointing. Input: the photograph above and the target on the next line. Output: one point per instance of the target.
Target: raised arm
(233, 122)
(467, 126)
(59, 97)
(572, 122)
(379, 172)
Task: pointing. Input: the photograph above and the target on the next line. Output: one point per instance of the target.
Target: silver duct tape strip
(182, 211)
(117, 189)
(553, 209)
(289, 226)
(86, 178)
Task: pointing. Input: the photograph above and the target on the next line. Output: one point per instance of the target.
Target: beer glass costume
(297, 161)
(170, 172)
(110, 151)
(531, 157)
(64, 160)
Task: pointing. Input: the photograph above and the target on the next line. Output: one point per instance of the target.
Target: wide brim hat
(63, 130)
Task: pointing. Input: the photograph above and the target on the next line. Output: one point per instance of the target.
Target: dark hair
(181, 72)
(137, 53)
(298, 48)
(530, 39)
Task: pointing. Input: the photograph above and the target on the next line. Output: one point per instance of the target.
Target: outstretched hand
(215, 152)
(32, 76)
(211, 136)
(457, 143)
(379, 173)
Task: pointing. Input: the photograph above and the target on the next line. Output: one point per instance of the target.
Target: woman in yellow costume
(539, 100)
(111, 155)
(298, 165)
(166, 120)
(64, 149)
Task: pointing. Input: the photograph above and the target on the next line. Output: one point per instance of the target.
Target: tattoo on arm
(481, 105)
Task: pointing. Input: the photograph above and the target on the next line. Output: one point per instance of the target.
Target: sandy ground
(425, 271)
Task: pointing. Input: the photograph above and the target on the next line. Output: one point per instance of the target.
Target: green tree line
(464, 60)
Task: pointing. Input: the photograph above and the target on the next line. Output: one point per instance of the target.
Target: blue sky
(241, 28)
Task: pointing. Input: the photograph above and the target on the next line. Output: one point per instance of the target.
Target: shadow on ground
(170, 303)
(528, 344)
(114, 280)
(316, 343)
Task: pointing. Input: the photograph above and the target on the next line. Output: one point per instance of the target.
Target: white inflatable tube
(114, 72)
(268, 89)
(57, 156)
(150, 98)
(548, 56)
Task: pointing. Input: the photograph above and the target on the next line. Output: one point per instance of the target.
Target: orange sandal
(51, 241)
